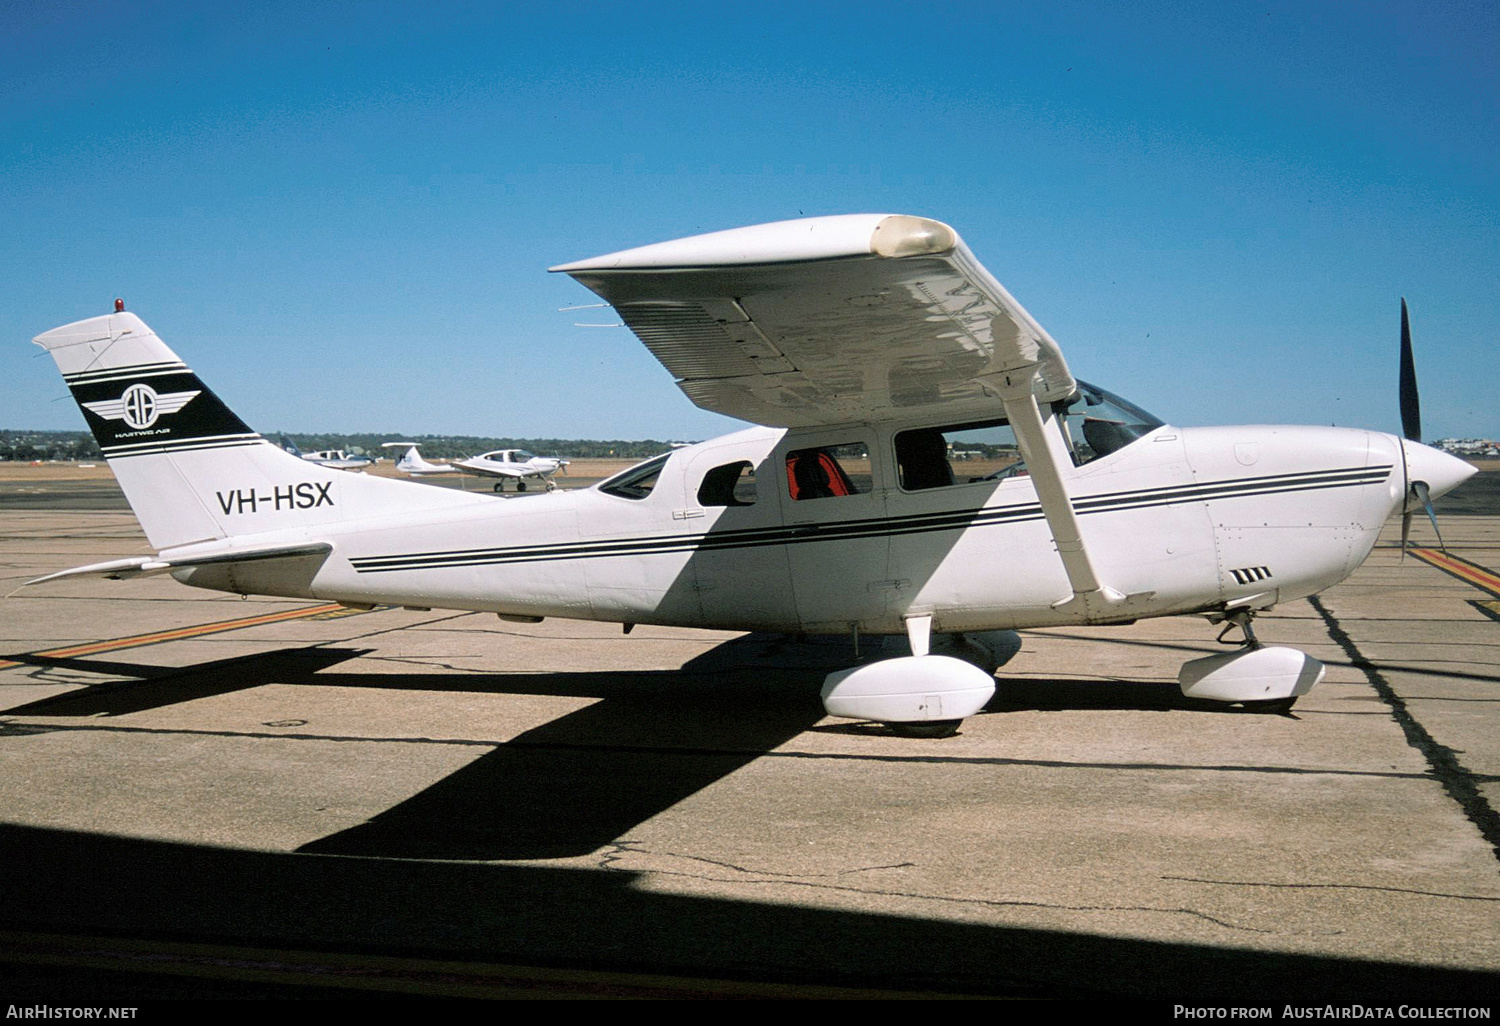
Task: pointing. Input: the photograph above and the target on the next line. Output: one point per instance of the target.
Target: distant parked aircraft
(335, 458)
(413, 463)
(515, 465)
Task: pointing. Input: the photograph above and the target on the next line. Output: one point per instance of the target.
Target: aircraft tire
(520, 486)
(1270, 706)
(500, 487)
(927, 729)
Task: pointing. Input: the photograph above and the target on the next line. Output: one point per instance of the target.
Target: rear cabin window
(828, 471)
(733, 484)
(637, 482)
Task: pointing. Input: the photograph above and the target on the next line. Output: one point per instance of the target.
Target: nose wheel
(1270, 706)
(1257, 678)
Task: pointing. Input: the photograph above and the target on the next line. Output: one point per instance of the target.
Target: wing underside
(828, 320)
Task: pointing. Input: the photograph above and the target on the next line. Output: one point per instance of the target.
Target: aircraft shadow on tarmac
(564, 788)
(157, 687)
(92, 885)
(573, 786)
(579, 782)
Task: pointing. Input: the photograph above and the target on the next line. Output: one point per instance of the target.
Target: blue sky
(341, 214)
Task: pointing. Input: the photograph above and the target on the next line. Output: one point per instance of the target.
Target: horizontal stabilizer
(149, 566)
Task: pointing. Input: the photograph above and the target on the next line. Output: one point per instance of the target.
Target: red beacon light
(119, 306)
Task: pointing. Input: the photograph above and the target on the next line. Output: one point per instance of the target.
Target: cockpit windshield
(1099, 422)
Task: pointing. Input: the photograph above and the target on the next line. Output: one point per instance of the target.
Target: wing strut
(1046, 460)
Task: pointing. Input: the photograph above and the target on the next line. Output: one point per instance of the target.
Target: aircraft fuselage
(1180, 520)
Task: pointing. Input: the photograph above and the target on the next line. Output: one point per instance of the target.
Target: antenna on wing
(590, 306)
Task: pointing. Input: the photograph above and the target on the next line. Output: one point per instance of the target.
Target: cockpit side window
(939, 457)
(730, 485)
(637, 482)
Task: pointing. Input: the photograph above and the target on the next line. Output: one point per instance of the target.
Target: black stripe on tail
(154, 408)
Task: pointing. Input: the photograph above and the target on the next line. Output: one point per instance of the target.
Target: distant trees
(48, 445)
(452, 446)
(80, 445)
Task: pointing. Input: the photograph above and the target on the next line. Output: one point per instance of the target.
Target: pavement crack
(622, 847)
(619, 850)
(1334, 887)
(437, 664)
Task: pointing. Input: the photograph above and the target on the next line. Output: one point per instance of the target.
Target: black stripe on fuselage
(917, 523)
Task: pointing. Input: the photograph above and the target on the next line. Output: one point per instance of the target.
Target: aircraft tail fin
(190, 468)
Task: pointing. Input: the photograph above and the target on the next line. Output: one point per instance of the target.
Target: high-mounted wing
(828, 320)
(856, 318)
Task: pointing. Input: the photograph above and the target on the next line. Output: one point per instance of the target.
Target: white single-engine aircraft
(411, 462)
(513, 465)
(875, 348)
(335, 458)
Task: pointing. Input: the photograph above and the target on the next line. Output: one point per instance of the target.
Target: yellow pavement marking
(157, 637)
(1481, 577)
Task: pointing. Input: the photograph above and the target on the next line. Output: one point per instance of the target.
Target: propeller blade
(1420, 487)
(1411, 407)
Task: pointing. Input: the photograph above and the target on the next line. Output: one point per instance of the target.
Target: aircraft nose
(1442, 472)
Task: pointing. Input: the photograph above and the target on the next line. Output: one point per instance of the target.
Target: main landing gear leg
(1257, 678)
